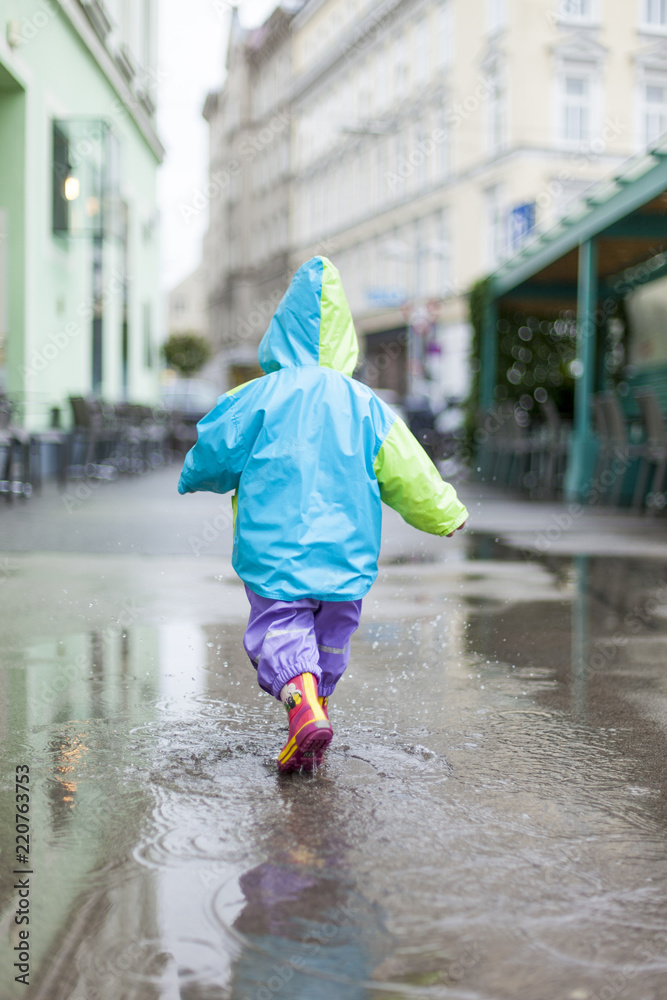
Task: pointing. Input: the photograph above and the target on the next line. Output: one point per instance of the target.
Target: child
(310, 453)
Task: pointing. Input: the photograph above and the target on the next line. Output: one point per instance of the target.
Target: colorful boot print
(310, 731)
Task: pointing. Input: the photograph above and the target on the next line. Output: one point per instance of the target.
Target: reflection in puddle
(489, 823)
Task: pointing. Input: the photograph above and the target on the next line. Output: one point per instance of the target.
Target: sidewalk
(563, 528)
(146, 516)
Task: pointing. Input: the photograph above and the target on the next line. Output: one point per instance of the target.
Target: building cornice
(307, 11)
(653, 56)
(361, 36)
(430, 98)
(415, 204)
(84, 29)
(276, 32)
(579, 46)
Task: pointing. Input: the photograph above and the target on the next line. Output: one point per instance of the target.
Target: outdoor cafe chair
(554, 448)
(615, 445)
(655, 451)
(15, 474)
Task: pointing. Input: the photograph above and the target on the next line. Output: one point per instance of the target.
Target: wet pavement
(490, 821)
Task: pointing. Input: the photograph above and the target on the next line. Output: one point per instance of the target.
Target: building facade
(79, 152)
(431, 139)
(428, 140)
(246, 249)
(188, 305)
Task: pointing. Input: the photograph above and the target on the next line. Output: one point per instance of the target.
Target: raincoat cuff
(461, 519)
(325, 690)
(287, 673)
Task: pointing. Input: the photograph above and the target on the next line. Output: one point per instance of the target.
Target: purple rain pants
(286, 638)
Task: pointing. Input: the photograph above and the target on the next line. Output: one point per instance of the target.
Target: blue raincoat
(310, 453)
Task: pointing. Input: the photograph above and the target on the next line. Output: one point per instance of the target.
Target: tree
(186, 352)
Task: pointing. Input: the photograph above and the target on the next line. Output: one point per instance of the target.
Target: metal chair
(53, 437)
(554, 449)
(16, 477)
(616, 443)
(95, 439)
(6, 448)
(655, 452)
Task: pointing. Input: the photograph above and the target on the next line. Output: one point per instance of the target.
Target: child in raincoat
(310, 454)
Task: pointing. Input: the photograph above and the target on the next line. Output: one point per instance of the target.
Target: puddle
(489, 823)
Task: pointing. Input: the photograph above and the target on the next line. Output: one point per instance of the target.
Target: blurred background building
(188, 310)
(248, 242)
(79, 153)
(419, 144)
(428, 141)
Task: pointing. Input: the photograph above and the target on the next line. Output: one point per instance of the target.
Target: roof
(626, 213)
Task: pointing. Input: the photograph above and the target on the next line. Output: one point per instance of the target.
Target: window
(654, 118)
(495, 131)
(61, 172)
(521, 223)
(363, 95)
(445, 31)
(400, 69)
(381, 79)
(495, 14)
(444, 251)
(421, 52)
(149, 354)
(655, 13)
(495, 226)
(576, 10)
(4, 305)
(443, 152)
(577, 115)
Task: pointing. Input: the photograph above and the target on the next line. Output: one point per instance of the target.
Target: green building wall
(51, 73)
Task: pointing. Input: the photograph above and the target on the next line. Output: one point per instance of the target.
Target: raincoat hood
(313, 324)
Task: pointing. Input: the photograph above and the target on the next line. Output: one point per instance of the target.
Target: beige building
(426, 141)
(246, 248)
(432, 136)
(188, 304)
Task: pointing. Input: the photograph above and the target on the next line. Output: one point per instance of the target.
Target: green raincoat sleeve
(410, 483)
